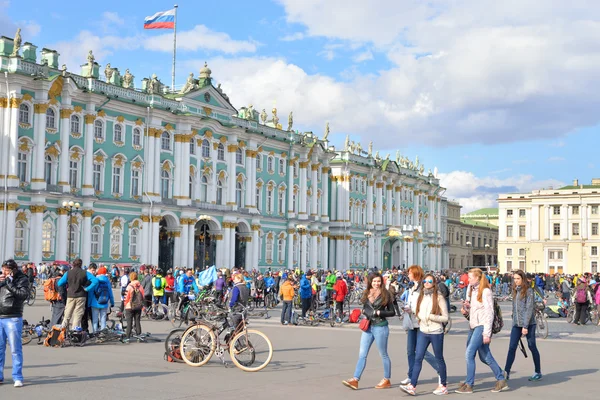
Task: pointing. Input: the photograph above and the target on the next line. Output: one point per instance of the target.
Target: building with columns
(551, 230)
(185, 179)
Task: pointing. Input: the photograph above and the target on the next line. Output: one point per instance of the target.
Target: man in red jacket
(340, 290)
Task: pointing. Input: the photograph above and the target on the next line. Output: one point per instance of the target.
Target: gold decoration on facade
(325, 170)
(57, 86)
(208, 134)
(303, 164)
(99, 158)
(102, 113)
(24, 145)
(139, 122)
(169, 127)
(75, 154)
(379, 185)
(87, 213)
(223, 139)
(62, 211)
(120, 119)
(20, 254)
(145, 218)
(207, 111)
(118, 160)
(98, 221)
(47, 254)
(78, 109)
(66, 112)
(53, 101)
(40, 108)
(232, 148)
(15, 102)
(314, 167)
(156, 218)
(37, 209)
(89, 118)
(255, 227)
(27, 97)
(166, 166)
(21, 216)
(3, 102)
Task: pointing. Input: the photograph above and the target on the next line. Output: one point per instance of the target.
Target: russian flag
(161, 20)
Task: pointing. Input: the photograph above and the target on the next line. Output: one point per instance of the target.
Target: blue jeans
(411, 351)
(98, 316)
(380, 335)
(505, 289)
(474, 345)
(437, 342)
(515, 335)
(286, 312)
(10, 331)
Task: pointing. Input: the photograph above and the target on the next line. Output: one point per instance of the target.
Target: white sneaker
(18, 383)
(405, 382)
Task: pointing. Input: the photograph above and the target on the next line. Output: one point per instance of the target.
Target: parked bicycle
(31, 296)
(541, 321)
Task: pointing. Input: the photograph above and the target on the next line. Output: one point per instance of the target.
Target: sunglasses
(427, 280)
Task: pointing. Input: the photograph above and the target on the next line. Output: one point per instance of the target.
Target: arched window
(116, 239)
(205, 148)
(137, 137)
(117, 179)
(96, 240)
(165, 180)
(269, 200)
(258, 162)
(281, 166)
(98, 130)
(20, 237)
(219, 192)
(24, 113)
(238, 194)
(50, 118)
(221, 152)
(135, 182)
(47, 237)
(75, 124)
(74, 173)
(270, 164)
(269, 249)
(258, 199)
(239, 156)
(165, 141)
(118, 133)
(97, 177)
(133, 242)
(192, 146)
(281, 200)
(48, 169)
(203, 188)
(23, 166)
(74, 238)
(281, 249)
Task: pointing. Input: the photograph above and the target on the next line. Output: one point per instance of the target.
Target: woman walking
(432, 312)
(377, 307)
(582, 298)
(523, 324)
(479, 305)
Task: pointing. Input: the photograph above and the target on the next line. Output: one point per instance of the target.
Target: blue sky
(498, 97)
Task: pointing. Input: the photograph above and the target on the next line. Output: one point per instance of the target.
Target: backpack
(56, 337)
(51, 290)
(157, 283)
(174, 352)
(354, 316)
(137, 300)
(102, 293)
(498, 323)
(443, 289)
(581, 296)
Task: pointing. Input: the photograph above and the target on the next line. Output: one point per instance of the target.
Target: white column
(157, 165)
(564, 222)
(179, 170)
(290, 248)
(188, 259)
(341, 213)
(304, 238)
(220, 249)
(155, 242)
(3, 146)
(39, 134)
(184, 165)
(250, 176)
(149, 169)
(86, 236)
(226, 245)
(333, 212)
(379, 200)
(290, 189)
(232, 246)
(184, 239)
(13, 140)
(314, 247)
(411, 248)
(177, 247)
(397, 219)
(146, 257)
(345, 193)
(65, 135)
(325, 250)
(314, 181)
(9, 250)
(370, 202)
(231, 181)
(302, 214)
(584, 221)
(547, 222)
(389, 203)
(325, 199)
(255, 242)
(417, 198)
(62, 233)
(88, 158)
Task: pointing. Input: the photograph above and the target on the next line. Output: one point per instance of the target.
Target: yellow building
(550, 230)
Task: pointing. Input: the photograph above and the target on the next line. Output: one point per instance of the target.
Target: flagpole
(174, 50)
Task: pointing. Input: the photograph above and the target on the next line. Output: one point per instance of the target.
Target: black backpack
(102, 293)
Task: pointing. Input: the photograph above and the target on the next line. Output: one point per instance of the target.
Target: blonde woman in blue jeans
(378, 305)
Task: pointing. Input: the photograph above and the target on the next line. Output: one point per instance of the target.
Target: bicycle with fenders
(249, 349)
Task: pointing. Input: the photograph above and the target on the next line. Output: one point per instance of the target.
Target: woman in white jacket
(431, 311)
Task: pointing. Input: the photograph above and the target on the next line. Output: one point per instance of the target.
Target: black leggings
(133, 316)
(306, 303)
(580, 313)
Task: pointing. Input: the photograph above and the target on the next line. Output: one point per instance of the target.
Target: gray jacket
(147, 284)
(522, 309)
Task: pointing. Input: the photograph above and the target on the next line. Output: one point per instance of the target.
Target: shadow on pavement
(302, 349)
(552, 378)
(46, 365)
(41, 380)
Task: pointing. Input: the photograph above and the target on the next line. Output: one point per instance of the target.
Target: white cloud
(364, 56)
(474, 192)
(109, 17)
(293, 37)
(556, 159)
(8, 27)
(200, 38)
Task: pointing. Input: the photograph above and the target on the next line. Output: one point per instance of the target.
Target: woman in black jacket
(377, 307)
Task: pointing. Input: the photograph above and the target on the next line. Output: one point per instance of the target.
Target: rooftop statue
(326, 131)
(347, 143)
(189, 85)
(358, 149)
(275, 117)
(127, 80)
(16, 43)
(370, 148)
(249, 112)
(90, 60)
(387, 158)
(153, 85)
(421, 169)
(108, 72)
(398, 156)
(263, 116)
(64, 70)
(290, 121)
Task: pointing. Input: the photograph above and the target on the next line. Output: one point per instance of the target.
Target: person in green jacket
(158, 288)
(329, 282)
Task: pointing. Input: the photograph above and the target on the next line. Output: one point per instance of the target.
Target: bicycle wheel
(542, 325)
(26, 337)
(31, 297)
(251, 350)
(198, 345)
(158, 312)
(571, 315)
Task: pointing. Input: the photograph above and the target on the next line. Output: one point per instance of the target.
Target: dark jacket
(77, 280)
(522, 309)
(13, 293)
(386, 311)
(147, 284)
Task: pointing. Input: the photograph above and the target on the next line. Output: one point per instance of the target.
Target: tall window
(556, 229)
(47, 237)
(165, 141)
(118, 133)
(258, 162)
(96, 240)
(135, 182)
(258, 202)
(575, 210)
(75, 124)
(594, 228)
(239, 157)
(238, 194)
(116, 179)
(192, 146)
(521, 231)
(270, 164)
(165, 180)
(50, 119)
(509, 213)
(269, 201)
(281, 166)
(509, 231)
(219, 192)
(221, 152)
(521, 213)
(137, 137)
(97, 177)
(74, 238)
(203, 188)
(20, 236)
(556, 210)
(509, 252)
(205, 148)
(594, 210)
(116, 238)
(575, 229)
(22, 166)
(24, 114)
(74, 174)
(281, 249)
(48, 168)
(133, 242)
(269, 249)
(98, 130)
(281, 200)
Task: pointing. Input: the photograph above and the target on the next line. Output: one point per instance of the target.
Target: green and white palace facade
(186, 179)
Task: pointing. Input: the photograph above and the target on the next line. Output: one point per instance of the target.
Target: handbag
(364, 324)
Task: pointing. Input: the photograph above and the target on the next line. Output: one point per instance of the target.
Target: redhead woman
(378, 305)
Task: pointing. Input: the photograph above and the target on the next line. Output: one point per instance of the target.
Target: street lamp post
(203, 237)
(368, 235)
(487, 246)
(406, 242)
(301, 229)
(468, 245)
(70, 205)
